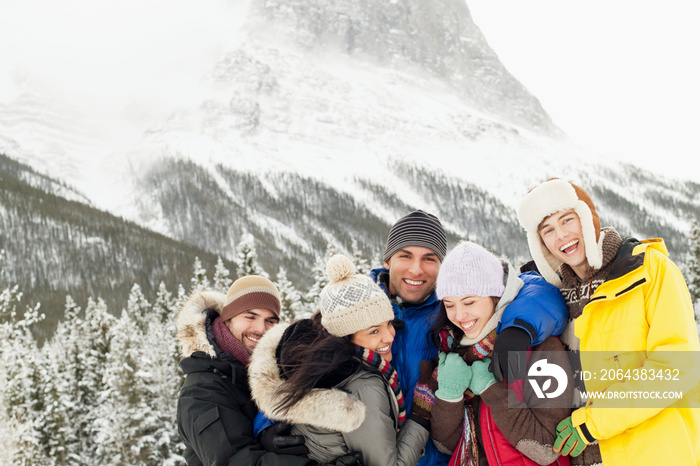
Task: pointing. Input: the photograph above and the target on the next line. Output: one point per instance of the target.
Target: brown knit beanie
(552, 196)
(251, 292)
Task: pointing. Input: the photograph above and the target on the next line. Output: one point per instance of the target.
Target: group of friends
(424, 361)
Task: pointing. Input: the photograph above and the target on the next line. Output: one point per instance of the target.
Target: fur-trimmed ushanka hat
(550, 197)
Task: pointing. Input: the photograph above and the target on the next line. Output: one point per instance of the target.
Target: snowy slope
(333, 92)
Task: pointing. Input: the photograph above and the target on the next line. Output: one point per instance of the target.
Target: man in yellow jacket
(631, 317)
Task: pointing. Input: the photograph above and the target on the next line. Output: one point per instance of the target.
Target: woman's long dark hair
(441, 321)
(311, 358)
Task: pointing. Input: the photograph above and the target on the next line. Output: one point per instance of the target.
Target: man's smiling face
(250, 325)
(561, 233)
(413, 272)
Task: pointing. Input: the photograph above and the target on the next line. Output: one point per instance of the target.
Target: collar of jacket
(330, 408)
(628, 271)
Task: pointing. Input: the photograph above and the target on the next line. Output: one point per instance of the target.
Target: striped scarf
(390, 375)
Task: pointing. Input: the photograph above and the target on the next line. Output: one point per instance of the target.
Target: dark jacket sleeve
(531, 426)
(539, 309)
(215, 420)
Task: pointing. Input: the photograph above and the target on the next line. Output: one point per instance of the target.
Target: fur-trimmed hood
(191, 322)
(331, 409)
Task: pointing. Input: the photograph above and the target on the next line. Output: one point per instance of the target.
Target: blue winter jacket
(411, 346)
(538, 309)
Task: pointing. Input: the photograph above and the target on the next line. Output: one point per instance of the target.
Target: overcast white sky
(620, 77)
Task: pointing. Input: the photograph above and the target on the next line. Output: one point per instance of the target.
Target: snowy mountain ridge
(324, 123)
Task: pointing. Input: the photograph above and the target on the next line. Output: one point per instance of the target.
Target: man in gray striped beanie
(415, 248)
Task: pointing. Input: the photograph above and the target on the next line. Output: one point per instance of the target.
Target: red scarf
(228, 343)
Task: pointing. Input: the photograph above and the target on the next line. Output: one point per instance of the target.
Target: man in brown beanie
(217, 334)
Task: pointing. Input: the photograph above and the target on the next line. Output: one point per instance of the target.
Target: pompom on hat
(469, 269)
(550, 197)
(351, 302)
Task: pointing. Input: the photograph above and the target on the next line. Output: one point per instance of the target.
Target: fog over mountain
(323, 122)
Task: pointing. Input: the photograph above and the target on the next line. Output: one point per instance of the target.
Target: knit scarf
(390, 375)
(467, 452)
(577, 293)
(228, 343)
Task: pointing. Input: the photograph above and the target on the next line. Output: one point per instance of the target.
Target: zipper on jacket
(492, 441)
(219, 373)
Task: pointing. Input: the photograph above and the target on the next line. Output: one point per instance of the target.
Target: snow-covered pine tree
(128, 420)
(290, 298)
(181, 296)
(694, 262)
(199, 279)
(164, 304)
(320, 278)
(222, 280)
(65, 408)
(247, 258)
(21, 366)
(20, 403)
(361, 264)
(58, 436)
(93, 388)
(138, 308)
(162, 390)
(693, 269)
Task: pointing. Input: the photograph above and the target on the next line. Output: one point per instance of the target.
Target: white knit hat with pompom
(351, 302)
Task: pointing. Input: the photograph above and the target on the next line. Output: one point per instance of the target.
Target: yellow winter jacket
(640, 314)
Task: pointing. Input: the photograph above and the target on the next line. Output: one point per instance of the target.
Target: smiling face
(412, 273)
(250, 325)
(562, 235)
(470, 313)
(377, 338)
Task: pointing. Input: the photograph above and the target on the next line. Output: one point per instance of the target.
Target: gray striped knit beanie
(417, 229)
(351, 302)
(250, 292)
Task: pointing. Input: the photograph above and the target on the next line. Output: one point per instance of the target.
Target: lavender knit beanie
(469, 269)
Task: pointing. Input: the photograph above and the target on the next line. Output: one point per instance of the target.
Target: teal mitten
(453, 377)
(482, 377)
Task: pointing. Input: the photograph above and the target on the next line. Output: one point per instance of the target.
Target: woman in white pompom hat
(630, 313)
(331, 376)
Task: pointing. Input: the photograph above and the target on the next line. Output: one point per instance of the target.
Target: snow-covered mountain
(325, 122)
